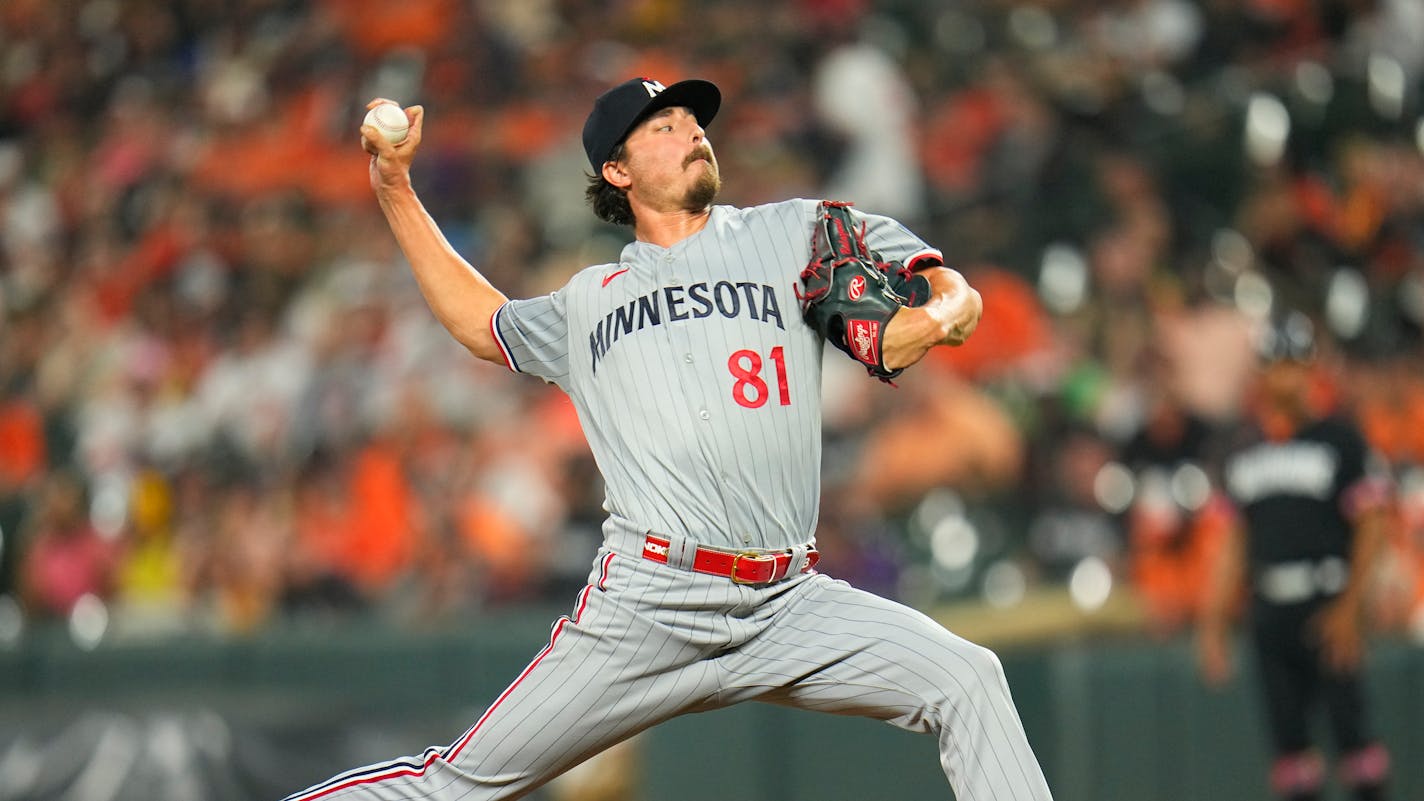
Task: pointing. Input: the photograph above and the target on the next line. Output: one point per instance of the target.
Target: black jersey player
(1311, 522)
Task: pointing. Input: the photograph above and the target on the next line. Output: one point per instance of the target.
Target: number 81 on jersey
(750, 390)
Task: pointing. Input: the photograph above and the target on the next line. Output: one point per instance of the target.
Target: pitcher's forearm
(462, 299)
(955, 305)
(947, 318)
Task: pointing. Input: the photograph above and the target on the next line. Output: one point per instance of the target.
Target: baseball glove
(849, 293)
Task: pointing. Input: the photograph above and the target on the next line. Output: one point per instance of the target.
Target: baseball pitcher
(694, 365)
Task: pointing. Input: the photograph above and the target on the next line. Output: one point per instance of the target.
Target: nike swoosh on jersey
(614, 275)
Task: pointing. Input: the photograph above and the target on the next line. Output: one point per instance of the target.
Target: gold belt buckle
(736, 560)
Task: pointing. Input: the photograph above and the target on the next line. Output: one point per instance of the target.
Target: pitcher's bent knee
(971, 675)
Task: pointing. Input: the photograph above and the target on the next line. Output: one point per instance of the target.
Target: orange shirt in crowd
(1012, 327)
(22, 444)
(1171, 560)
(384, 528)
(375, 27)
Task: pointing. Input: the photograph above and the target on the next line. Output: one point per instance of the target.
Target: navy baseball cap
(618, 110)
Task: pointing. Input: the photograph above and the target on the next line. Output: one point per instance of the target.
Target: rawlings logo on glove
(864, 339)
(849, 293)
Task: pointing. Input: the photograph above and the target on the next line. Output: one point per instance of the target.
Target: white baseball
(390, 120)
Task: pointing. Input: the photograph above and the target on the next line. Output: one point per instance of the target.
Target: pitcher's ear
(616, 173)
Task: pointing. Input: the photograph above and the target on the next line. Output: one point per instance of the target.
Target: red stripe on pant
(460, 744)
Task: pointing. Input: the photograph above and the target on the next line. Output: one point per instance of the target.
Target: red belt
(742, 567)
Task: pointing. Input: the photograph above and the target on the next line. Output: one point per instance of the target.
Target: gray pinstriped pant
(648, 642)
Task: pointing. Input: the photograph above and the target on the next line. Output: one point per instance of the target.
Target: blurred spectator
(1069, 522)
(941, 432)
(65, 558)
(1388, 398)
(22, 443)
(385, 526)
(246, 554)
(1176, 519)
(23, 459)
(863, 96)
(149, 576)
(317, 576)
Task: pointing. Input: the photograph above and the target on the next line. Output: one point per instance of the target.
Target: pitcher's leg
(606, 674)
(841, 650)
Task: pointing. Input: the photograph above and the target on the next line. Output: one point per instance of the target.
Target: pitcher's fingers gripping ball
(849, 293)
(389, 119)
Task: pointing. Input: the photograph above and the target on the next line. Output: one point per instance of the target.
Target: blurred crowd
(223, 402)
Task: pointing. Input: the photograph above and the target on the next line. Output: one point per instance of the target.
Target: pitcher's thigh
(846, 651)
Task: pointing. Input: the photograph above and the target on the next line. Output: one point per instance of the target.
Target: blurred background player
(1312, 512)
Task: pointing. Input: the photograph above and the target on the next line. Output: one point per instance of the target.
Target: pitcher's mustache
(700, 153)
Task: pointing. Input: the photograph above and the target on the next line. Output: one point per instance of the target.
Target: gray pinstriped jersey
(695, 379)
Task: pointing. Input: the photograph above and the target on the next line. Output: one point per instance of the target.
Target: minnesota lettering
(693, 302)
